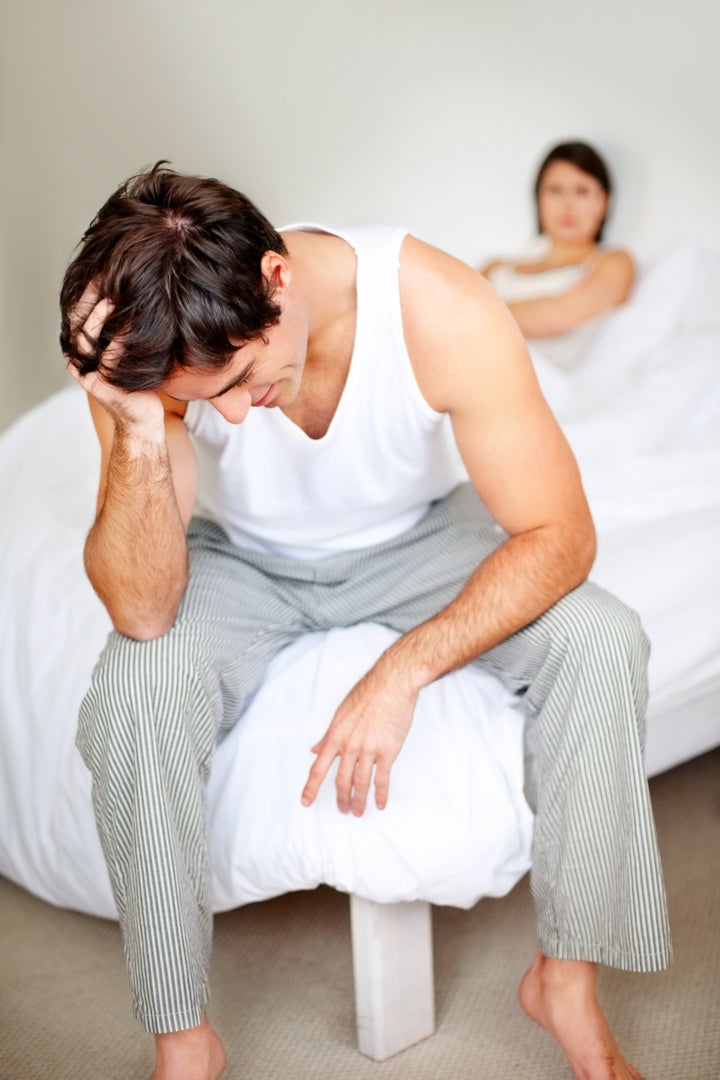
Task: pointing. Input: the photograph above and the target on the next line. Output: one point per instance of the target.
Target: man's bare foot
(194, 1054)
(560, 995)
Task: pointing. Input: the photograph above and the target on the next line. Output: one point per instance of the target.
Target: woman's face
(571, 203)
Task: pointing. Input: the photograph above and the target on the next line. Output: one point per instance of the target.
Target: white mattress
(643, 415)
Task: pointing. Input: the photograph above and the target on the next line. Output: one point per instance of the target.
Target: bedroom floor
(283, 997)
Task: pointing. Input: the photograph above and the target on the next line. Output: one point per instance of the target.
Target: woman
(560, 296)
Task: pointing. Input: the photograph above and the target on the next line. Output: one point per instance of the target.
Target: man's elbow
(585, 550)
(143, 621)
(137, 619)
(143, 629)
(137, 611)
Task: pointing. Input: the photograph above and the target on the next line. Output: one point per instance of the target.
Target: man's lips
(263, 400)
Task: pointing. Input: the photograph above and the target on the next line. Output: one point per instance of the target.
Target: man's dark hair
(583, 156)
(179, 259)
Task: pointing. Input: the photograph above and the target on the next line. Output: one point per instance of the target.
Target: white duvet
(643, 415)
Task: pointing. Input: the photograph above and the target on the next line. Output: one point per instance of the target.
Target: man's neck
(325, 267)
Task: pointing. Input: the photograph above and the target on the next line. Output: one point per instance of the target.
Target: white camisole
(564, 351)
(513, 286)
(384, 458)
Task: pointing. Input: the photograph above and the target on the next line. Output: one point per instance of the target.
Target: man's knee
(589, 634)
(142, 694)
(599, 626)
(602, 648)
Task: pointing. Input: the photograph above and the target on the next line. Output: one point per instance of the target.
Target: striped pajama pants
(155, 711)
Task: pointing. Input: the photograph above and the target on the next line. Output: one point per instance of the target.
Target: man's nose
(233, 406)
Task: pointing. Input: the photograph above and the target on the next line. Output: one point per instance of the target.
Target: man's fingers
(361, 784)
(344, 781)
(382, 784)
(92, 328)
(87, 321)
(353, 781)
(361, 753)
(318, 771)
(84, 306)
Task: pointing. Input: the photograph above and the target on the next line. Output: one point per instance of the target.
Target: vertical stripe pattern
(155, 710)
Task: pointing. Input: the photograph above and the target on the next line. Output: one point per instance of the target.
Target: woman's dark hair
(585, 157)
(179, 259)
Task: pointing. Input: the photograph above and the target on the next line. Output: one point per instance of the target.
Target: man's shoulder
(454, 324)
(365, 235)
(440, 284)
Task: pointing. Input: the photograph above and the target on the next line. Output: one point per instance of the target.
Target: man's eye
(240, 382)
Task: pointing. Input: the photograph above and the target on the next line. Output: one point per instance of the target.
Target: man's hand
(142, 407)
(366, 733)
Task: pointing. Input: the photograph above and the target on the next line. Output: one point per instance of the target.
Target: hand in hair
(87, 321)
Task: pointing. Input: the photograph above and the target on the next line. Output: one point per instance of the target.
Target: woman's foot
(560, 996)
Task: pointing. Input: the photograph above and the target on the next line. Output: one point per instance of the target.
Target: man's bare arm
(136, 552)
(517, 457)
(471, 361)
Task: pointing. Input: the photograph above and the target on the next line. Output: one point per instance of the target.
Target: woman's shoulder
(616, 257)
(613, 265)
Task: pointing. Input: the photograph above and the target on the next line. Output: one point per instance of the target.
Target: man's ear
(276, 271)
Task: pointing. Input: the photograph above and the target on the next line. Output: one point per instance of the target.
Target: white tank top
(384, 458)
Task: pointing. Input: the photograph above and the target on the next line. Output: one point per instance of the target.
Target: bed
(643, 415)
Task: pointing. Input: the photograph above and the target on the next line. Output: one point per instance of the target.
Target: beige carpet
(282, 982)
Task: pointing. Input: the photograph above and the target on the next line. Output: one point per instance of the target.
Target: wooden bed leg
(393, 975)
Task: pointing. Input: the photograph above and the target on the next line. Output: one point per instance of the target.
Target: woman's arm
(604, 287)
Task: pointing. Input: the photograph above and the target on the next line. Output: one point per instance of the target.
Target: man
(339, 500)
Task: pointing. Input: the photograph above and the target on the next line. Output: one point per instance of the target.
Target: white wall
(428, 113)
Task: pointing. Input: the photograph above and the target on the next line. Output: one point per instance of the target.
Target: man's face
(265, 373)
